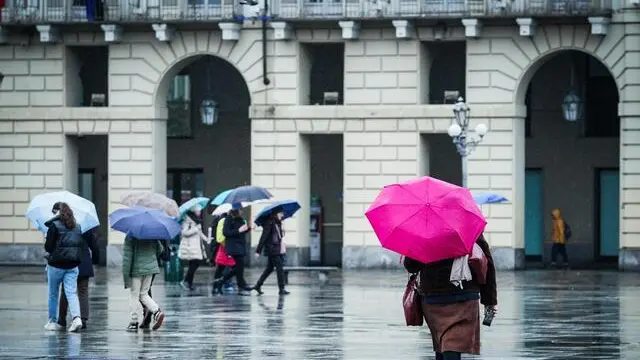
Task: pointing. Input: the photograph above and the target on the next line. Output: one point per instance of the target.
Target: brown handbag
(412, 303)
(478, 263)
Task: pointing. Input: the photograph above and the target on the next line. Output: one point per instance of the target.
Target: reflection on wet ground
(356, 315)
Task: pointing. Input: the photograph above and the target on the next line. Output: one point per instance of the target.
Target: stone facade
(383, 115)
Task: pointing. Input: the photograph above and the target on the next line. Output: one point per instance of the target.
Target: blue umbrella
(487, 198)
(247, 193)
(202, 202)
(84, 211)
(219, 199)
(289, 207)
(144, 223)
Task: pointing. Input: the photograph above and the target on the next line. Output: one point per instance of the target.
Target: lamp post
(572, 107)
(459, 132)
(209, 111)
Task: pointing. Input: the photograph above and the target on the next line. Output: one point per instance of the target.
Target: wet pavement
(356, 315)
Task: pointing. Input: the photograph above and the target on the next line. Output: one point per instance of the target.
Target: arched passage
(572, 166)
(204, 159)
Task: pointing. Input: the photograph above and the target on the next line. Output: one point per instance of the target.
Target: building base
(22, 254)
(369, 257)
(506, 258)
(629, 259)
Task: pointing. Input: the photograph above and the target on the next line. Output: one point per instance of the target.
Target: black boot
(258, 289)
(283, 292)
(217, 287)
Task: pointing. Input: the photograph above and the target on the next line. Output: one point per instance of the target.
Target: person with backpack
(560, 233)
(65, 246)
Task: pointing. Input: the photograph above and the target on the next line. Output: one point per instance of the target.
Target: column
(137, 162)
(497, 166)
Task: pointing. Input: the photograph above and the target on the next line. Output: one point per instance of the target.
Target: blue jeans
(69, 279)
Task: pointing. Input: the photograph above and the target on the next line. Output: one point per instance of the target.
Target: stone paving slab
(356, 315)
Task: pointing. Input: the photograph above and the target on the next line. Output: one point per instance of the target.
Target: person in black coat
(85, 272)
(234, 230)
(272, 247)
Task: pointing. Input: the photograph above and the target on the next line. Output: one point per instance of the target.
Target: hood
(555, 213)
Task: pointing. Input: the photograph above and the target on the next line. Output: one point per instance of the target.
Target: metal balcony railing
(132, 11)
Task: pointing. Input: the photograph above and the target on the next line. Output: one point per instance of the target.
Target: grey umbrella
(247, 193)
(151, 200)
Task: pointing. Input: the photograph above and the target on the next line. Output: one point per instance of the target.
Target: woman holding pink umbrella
(437, 226)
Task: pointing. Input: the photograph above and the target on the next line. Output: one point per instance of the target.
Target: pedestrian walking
(85, 272)
(65, 246)
(222, 262)
(163, 257)
(451, 311)
(273, 247)
(560, 233)
(139, 265)
(234, 230)
(193, 244)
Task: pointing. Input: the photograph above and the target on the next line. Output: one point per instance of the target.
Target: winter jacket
(65, 246)
(557, 233)
(271, 239)
(191, 239)
(139, 258)
(235, 241)
(89, 253)
(436, 286)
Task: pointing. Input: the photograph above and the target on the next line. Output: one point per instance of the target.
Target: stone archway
(567, 164)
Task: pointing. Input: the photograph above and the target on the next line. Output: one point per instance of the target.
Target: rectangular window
(87, 76)
(601, 102)
(322, 66)
(184, 184)
(179, 106)
(445, 62)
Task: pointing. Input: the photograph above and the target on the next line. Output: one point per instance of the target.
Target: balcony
(148, 11)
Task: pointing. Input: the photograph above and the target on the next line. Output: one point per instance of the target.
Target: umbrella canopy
(288, 207)
(219, 199)
(225, 208)
(202, 202)
(246, 194)
(426, 219)
(487, 198)
(84, 211)
(151, 200)
(144, 223)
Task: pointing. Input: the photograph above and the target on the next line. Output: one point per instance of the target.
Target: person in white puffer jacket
(192, 244)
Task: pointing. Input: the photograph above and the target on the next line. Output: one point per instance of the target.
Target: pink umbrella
(426, 219)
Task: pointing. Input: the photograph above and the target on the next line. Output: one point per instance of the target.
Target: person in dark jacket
(85, 272)
(235, 229)
(271, 245)
(65, 246)
(452, 312)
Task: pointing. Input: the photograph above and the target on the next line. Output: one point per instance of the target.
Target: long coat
(271, 239)
(90, 252)
(191, 239)
(235, 241)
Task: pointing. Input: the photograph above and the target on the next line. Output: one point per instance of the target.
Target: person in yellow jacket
(220, 269)
(559, 238)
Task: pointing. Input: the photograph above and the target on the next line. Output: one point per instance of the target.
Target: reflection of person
(139, 264)
(85, 272)
(452, 312)
(559, 239)
(235, 229)
(191, 244)
(272, 246)
(65, 245)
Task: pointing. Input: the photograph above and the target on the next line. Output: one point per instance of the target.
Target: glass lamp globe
(481, 130)
(454, 130)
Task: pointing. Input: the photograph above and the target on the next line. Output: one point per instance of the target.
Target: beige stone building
(330, 108)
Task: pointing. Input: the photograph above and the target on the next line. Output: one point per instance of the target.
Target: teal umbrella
(219, 199)
(202, 202)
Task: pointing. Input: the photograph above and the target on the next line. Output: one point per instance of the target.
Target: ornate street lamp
(572, 107)
(209, 111)
(459, 132)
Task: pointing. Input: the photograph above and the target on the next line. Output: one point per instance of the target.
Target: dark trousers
(559, 249)
(238, 272)
(448, 355)
(191, 271)
(273, 262)
(83, 297)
